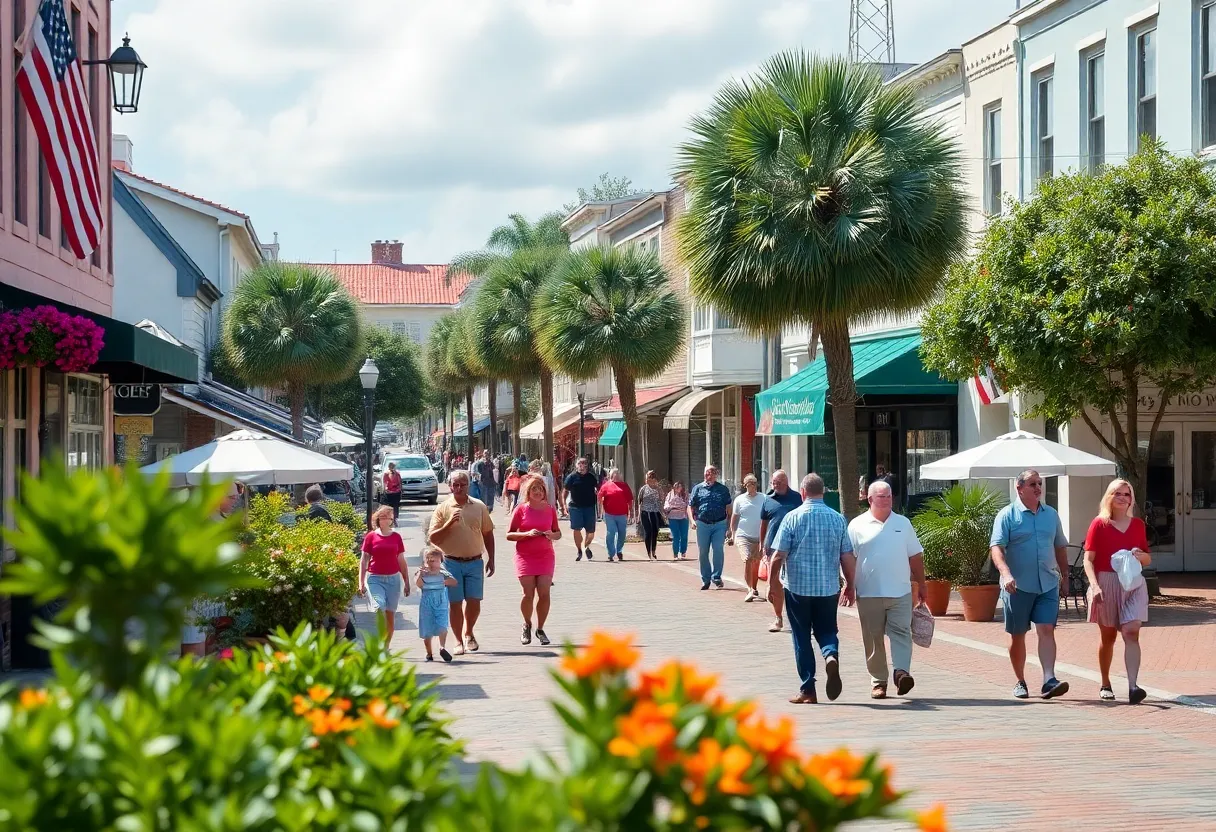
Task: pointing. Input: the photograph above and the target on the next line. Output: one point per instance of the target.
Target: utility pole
(871, 32)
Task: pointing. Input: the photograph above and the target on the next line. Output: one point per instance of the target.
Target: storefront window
(823, 458)
(85, 430)
(925, 446)
(1158, 503)
(1203, 469)
(21, 405)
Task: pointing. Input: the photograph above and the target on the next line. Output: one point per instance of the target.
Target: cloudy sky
(336, 123)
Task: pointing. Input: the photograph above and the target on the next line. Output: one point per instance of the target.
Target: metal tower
(871, 32)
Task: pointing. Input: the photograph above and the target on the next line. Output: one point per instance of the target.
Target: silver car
(418, 480)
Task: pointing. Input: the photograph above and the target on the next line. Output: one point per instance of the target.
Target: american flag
(52, 84)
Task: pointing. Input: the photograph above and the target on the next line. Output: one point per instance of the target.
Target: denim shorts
(470, 578)
(385, 591)
(1025, 608)
(582, 517)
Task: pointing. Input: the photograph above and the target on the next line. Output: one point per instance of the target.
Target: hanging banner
(791, 414)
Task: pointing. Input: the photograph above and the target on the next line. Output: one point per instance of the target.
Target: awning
(479, 425)
(337, 434)
(613, 433)
(678, 416)
(231, 419)
(648, 401)
(128, 354)
(562, 419)
(883, 366)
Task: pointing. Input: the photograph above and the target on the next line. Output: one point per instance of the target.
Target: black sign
(136, 399)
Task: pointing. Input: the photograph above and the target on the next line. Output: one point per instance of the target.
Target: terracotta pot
(979, 602)
(937, 596)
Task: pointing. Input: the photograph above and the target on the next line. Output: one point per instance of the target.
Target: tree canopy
(1097, 297)
(401, 392)
(605, 188)
(517, 234)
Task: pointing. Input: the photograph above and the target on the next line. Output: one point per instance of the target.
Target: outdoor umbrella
(1007, 456)
(254, 459)
(340, 435)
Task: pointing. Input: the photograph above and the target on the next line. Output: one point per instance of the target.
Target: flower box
(45, 336)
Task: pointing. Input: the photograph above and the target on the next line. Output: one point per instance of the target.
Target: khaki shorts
(749, 549)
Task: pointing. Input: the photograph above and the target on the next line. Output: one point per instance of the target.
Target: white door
(1199, 497)
(1162, 500)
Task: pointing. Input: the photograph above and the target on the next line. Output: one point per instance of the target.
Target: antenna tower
(871, 32)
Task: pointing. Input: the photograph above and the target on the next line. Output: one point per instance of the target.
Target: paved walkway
(958, 738)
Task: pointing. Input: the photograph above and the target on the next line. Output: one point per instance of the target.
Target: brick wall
(200, 430)
(676, 372)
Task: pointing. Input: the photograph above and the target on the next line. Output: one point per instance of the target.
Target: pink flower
(227, 653)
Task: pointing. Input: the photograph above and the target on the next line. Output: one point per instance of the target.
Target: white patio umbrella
(1007, 456)
(254, 459)
(340, 435)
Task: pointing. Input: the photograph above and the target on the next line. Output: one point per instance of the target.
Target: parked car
(418, 480)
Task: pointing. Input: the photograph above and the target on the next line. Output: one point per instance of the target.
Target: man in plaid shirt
(812, 548)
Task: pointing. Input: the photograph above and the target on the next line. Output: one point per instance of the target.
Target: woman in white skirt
(1114, 610)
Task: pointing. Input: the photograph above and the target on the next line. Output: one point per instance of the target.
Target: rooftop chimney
(387, 252)
(120, 152)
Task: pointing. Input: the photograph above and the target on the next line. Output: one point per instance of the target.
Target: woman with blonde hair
(1114, 609)
(534, 527)
(382, 567)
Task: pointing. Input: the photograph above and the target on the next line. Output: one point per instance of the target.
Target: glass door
(1160, 504)
(1199, 499)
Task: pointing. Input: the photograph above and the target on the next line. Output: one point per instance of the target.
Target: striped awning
(680, 414)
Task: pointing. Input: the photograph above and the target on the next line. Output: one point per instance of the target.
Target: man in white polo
(890, 581)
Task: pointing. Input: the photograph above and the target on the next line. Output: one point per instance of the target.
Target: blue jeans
(711, 534)
(679, 534)
(812, 614)
(614, 538)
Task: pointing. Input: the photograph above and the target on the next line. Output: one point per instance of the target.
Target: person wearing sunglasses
(1030, 552)
(1114, 609)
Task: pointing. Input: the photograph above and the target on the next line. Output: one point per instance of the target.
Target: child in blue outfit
(434, 581)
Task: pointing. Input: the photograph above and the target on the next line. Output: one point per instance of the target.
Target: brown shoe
(878, 692)
(804, 698)
(904, 682)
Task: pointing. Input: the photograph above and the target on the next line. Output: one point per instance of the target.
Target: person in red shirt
(534, 527)
(382, 568)
(392, 490)
(1114, 609)
(616, 502)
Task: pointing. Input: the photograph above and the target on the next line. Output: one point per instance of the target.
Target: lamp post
(126, 76)
(582, 400)
(369, 374)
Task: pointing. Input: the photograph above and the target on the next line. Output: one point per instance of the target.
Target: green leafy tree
(819, 196)
(605, 188)
(401, 391)
(451, 364)
(504, 333)
(294, 325)
(1097, 297)
(611, 306)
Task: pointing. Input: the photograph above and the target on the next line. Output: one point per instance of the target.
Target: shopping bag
(922, 626)
(1127, 567)
(762, 571)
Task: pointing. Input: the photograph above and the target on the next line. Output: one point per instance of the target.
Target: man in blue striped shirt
(812, 548)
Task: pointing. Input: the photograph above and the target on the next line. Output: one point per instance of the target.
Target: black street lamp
(369, 374)
(126, 76)
(582, 400)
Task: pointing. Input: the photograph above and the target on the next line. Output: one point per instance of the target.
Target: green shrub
(343, 514)
(955, 529)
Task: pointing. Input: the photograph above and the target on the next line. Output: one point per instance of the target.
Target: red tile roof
(411, 284)
(186, 194)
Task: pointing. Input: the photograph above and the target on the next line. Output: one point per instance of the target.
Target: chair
(1078, 583)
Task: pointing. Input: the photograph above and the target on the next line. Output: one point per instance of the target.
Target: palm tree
(517, 235)
(503, 331)
(611, 306)
(820, 196)
(442, 373)
(292, 324)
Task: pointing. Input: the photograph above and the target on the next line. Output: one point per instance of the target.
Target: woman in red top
(392, 489)
(510, 491)
(1115, 610)
(382, 569)
(616, 502)
(533, 529)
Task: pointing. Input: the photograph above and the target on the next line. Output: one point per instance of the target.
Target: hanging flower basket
(45, 336)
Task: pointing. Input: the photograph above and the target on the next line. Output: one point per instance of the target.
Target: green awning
(883, 366)
(128, 354)
(613, 433)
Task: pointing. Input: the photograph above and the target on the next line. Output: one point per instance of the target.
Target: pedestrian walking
(649, 513)
(461, 527)
(616, 504)
(382, 568)
(510, 492)
(744, 533)
(779, 501)
(1117, 610)
(675, 509)
(433, 610)
(534, 528)
(1030, 552)
(582, 488)
(890, 582)
(481, 474)
(392, 490)
(709, 504)
(315, 498)
(811, 549)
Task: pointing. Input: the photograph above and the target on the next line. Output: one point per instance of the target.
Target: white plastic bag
(1127, 567)
(922, 626)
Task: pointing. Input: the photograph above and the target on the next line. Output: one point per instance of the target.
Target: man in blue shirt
(1030, 552)
(781, 500)
(710, 503)
(812, 548)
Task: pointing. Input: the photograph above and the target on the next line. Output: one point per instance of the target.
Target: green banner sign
(791, 414)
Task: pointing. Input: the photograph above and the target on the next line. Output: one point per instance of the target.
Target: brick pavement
(958, 738)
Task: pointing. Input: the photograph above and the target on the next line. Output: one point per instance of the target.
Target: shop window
(940, 418)
(85, 429)
(923, 447)
(21, 406)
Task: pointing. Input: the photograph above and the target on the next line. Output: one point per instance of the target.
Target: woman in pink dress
(534, 527)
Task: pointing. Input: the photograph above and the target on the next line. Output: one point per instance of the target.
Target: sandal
(1106, 694)
(776, 626)
(472, 642)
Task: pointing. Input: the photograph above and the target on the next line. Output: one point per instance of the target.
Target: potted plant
(940, 571)
(957, 526)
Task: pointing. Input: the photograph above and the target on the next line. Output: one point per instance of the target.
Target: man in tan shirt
(462, 528)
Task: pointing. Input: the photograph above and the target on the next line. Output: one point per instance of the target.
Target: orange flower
(31, 698)
(280, 656)
(377, 712)
(648, 726)
(773, 741)
(302, 705)
(731, 764)
(672, 676)
(319, 693)
(342, 704)
(933, 820)
(332, 721)
(838, 772)
(606, 653)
